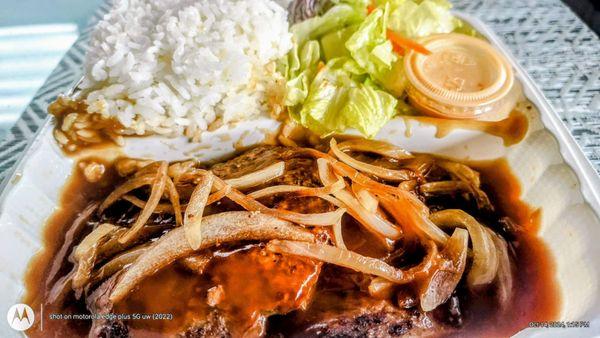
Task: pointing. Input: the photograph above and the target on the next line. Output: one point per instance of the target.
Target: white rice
(178, 66)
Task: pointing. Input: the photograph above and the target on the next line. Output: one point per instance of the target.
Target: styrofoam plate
(553, 172)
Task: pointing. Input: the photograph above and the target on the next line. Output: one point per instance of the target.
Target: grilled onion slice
(442, 282)
(370, 220)
(485, 258)
(351, 260)
(192, 219)
(250, 204)
(384, 173)
(158, 188)
(219, 228)
(375, 147)
(258, 177)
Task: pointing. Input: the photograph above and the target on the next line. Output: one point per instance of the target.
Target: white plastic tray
(553, 172)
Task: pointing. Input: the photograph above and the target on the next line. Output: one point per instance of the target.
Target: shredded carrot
(370, 9)
(405, 43)
(399, 50)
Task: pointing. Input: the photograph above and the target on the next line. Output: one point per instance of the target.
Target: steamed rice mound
(179, 66)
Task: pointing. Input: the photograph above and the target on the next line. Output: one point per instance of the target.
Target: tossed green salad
(346, 71)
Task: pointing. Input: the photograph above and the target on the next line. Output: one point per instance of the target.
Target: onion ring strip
(471, 178)
(219, 228)
(348, 259)
(160, 208)
(148, 169)
(86, 252)
(485, 258)
(174, 198)
(158, 188)
(443, 187)
(504, 279)
(258, 177)
(442, 282)
(386, 174)
(338, 235)
(118, 262)
(192, 219)
(176, 170)
(123, 189)
(297, 190)
(370, 220)
(326, 218)
(410, 212)
(376, 147)
(365, 198)
(218, 195)
(347, 171)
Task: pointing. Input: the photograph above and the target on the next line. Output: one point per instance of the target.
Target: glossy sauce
(183, 294)
(76, 129)
(76, 195)
(537, 296)
(177, 294)
(511, 129)
(255, 283)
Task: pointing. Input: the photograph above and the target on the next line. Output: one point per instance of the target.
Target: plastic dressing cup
(463, 78)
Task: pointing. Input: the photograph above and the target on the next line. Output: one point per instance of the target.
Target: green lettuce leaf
(415, 19)
(369, 45)
(394, 81)
(337, 101)
(302, 66)
(368, 109)
(306, 54)
(361, 78)
(332, 44)
(336, 18)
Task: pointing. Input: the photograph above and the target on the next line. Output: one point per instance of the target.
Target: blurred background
(34, 35)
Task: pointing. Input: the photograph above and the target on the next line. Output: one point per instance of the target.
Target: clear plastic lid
(463, 77)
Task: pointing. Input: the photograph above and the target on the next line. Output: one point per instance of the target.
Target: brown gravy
(537, 296)
(76, 195)
(182, 294)
(77, 129)
(511, 129)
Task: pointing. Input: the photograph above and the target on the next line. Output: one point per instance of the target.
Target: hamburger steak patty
(298, 170)
(325, 314)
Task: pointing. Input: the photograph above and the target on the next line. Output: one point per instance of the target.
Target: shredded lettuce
(306, 54)
(343, 73)
(415, 19)
(336, 18)
(338, 101)
(368, 109)
(330, 43)
(369, 45)
(302, 67)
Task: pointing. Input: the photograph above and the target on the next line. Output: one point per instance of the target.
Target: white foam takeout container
(553, 171)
